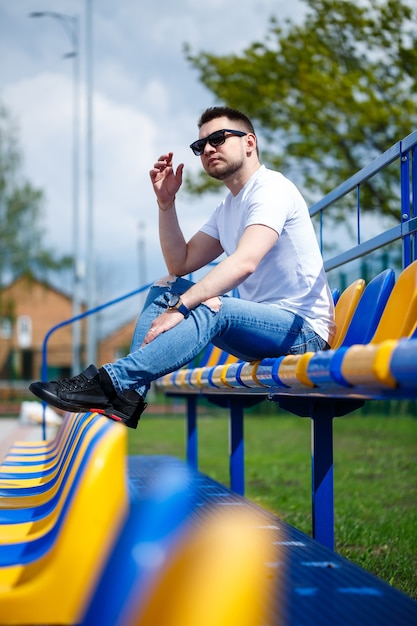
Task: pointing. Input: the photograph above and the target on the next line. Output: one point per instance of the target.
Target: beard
(222, 170)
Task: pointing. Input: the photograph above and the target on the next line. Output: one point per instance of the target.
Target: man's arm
(254, 244)
(256, 241)
(180, 257)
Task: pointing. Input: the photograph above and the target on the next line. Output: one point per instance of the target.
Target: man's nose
(209, 148)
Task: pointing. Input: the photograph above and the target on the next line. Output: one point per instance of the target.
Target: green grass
(374, 468)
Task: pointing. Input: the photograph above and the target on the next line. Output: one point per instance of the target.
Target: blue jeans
(248, 330)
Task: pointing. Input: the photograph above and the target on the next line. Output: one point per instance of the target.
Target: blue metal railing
(71, 320)
(322, 412)
(405, 151)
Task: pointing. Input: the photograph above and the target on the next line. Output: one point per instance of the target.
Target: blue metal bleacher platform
(304, 583)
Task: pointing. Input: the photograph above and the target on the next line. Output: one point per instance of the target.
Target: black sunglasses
(215, 139)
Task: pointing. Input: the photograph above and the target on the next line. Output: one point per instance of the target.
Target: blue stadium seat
(361, 328)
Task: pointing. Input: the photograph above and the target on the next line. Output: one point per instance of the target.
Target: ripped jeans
(248, 330)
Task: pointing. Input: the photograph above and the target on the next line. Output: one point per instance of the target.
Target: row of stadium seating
(373, 349)
(61, 505)
(90, 536)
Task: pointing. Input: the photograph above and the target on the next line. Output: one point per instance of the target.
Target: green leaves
(329, 94)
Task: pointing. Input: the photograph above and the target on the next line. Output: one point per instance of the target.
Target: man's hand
(162, 323)
(165, 181)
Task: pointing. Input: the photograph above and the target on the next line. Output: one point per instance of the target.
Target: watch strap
(182, 308)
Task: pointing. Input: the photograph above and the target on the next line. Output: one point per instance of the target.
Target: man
(272, 257)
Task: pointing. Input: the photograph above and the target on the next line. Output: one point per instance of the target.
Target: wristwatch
(175, 302)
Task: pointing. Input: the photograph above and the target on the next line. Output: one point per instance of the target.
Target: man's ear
(250, 142)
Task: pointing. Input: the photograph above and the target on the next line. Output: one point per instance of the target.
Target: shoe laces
(77, 382)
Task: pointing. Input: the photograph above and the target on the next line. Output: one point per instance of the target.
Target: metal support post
(236, 443)
(322, 477)
(192, 432)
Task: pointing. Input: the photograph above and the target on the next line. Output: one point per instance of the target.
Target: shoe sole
(111, 414)
(58, 403)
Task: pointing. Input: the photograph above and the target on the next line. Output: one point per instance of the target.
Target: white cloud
(43, 108)
(146, 101)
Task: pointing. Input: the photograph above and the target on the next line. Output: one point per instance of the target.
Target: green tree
(21, 232)
(328, 94)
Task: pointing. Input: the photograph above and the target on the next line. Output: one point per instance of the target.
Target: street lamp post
(142, 260)
(70, 24)
(91, 351)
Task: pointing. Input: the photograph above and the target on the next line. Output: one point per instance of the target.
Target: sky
(146, 100)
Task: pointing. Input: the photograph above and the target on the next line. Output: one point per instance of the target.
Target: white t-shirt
(291, 275)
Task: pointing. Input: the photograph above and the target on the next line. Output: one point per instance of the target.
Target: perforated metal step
(309, 584)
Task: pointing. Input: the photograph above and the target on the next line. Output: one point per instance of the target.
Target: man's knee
(165, 281)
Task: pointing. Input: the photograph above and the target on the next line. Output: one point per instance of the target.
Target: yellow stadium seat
(369, 365)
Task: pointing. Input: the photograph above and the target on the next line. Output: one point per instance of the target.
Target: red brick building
(29, 308)
(117, 344)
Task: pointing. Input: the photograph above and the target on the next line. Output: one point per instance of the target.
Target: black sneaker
(78, 393)
(126, 407)
(85, 393)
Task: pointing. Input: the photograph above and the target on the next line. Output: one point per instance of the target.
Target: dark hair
(232, 114)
